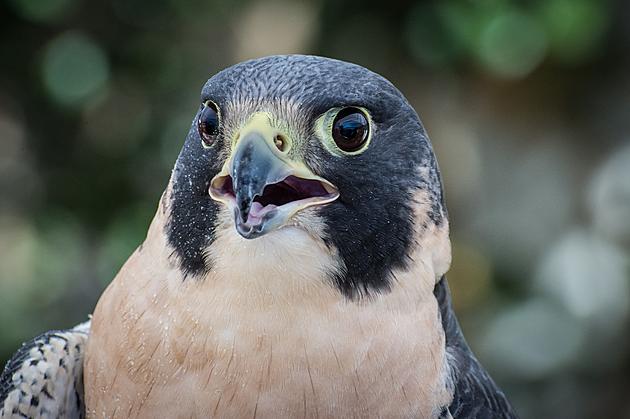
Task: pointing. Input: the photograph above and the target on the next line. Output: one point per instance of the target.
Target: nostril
(280, 141)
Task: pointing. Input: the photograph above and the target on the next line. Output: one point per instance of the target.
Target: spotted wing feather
(44, 379)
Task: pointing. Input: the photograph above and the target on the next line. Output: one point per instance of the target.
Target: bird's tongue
(257, 211)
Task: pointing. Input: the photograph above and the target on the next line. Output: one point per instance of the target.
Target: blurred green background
(527, 104)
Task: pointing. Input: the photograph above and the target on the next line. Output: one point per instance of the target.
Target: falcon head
(290, 156)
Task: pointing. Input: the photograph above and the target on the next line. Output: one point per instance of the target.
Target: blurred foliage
(527, 104)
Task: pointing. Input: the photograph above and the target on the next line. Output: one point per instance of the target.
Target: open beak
(262, 187)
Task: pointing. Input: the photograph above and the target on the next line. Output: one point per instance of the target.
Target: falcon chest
(264, 335)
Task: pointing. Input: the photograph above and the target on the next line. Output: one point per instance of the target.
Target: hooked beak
(263, 188)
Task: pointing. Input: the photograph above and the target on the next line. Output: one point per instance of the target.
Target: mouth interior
(291, 189)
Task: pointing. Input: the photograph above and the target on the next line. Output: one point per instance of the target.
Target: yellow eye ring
(346, 130)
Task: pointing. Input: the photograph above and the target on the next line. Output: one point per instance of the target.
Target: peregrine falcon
(295, 267)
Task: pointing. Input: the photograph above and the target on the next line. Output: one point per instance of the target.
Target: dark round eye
(208, 123)
(350, 129)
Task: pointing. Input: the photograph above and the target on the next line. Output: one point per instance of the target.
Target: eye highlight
(350, 129)
(208, 123)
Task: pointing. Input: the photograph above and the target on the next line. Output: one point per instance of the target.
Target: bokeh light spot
(512, 44)
(74, 68)
(610, 198)
(575, 27)
(587, 277)
(532, 340)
